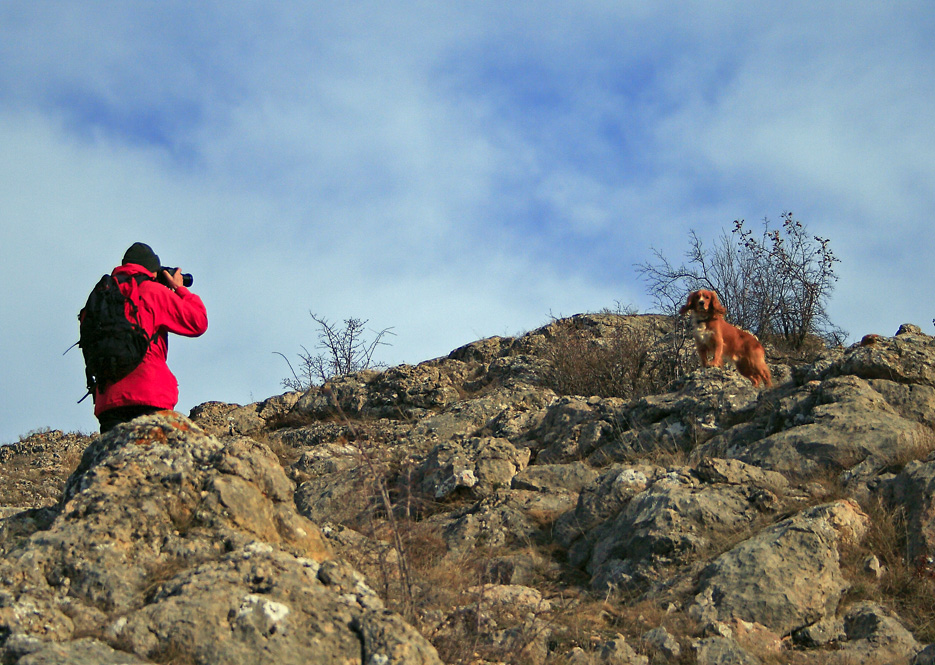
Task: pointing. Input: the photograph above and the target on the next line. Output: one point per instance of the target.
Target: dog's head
(704, 304)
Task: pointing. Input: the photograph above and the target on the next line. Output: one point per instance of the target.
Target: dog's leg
(702, 353)
(718, 352)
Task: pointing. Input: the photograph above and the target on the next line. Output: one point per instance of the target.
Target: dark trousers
(123, 414)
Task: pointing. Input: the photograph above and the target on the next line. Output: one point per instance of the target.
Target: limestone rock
(924, 657)
(603, 499)
(573, 428)
(36, 467)
(829, 426)
(505, 518)
(721, 651)
(572, 477)
(785, 577)
(480, 465)
(662, 642)
(907, 358)
(637, 521)
(169, 543)
(219, 418)
(875, 635)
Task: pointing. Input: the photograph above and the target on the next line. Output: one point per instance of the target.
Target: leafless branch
(776, 284)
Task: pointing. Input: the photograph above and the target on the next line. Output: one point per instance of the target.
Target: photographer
(163, 305)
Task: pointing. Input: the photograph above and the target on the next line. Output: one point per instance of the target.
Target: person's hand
(174, 280)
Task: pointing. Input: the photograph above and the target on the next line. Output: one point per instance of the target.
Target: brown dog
(714, 335)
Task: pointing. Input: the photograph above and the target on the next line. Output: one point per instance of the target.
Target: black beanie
(142, 255)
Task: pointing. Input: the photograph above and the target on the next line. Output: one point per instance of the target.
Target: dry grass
(643, 449)
(621, 364)
(171, 653)
(437, 589)
(493, 630)
(923, 445)
(586, 622)
(908, 587)
(161, 572)
(418, 576)
(286, 454)
(454, 615)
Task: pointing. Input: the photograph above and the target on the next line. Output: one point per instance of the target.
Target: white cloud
(452, 171)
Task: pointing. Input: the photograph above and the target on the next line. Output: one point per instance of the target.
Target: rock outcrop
(463, 511)
(169, 543)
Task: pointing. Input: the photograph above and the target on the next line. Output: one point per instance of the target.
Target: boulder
(477, 465)
(676, 519)
(637, 521)
(906, 358)
(501, 412)
(170, 544)
(506, 518)
(711, 522)
(924, 657)
(663, 642)
(572, 477)
(572, 428)
(698, 408)
(721, 651)
(603, 499)
(400, 392)
(875, 635)
(219, 418)
(784, 577)
(821, 427)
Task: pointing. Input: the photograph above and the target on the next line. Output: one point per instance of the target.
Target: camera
(187, 279)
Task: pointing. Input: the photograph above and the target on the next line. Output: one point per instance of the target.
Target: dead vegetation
(625, 361)
(880, 570)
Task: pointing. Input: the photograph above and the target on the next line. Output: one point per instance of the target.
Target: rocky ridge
(463, 511)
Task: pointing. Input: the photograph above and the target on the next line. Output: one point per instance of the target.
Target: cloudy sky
(452, 170)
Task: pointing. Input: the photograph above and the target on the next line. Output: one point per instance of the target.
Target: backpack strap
(139, 279)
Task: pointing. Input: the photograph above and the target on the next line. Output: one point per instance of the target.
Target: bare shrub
(624, 364)
(340, 351)
(776, 284)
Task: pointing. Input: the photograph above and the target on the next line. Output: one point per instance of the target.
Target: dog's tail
(756, 369)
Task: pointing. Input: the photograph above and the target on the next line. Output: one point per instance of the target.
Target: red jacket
(161, 311)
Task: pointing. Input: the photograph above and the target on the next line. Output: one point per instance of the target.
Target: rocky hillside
(468, 510)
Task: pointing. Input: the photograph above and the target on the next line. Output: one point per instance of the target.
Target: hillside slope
(465, 510)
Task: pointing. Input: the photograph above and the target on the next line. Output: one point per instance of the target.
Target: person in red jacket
(165, 306)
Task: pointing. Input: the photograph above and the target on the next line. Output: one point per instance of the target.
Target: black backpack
(111, 338)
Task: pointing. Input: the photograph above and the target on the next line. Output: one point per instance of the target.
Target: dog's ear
(688, 305)
(716, 305)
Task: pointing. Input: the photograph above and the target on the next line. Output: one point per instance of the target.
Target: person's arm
(173, 280)
(182, 313)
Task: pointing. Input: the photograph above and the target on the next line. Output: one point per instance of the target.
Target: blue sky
(452, 170)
